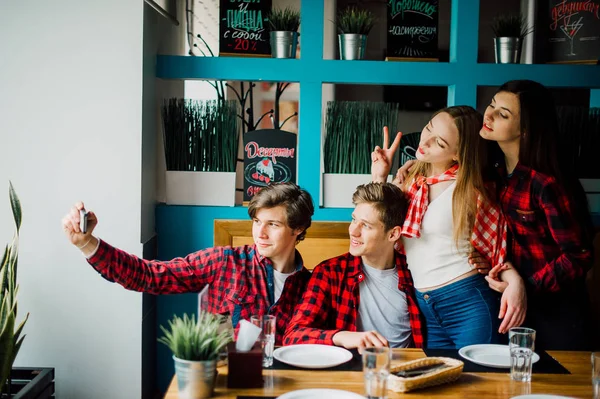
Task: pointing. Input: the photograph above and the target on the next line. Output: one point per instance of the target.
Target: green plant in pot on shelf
(509, 32)
(10, 337)
(196, 346)
(283, 25)
(353, 26)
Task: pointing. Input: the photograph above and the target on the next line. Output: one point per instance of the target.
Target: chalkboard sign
(269, 157)
(243, 28)
(412, 30)
(573, 29)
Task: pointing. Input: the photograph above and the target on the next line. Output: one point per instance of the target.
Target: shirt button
(270, 284)
(426, 297)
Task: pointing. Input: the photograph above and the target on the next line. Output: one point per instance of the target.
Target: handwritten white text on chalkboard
(399, 7)
(253, 150)
(413, 30)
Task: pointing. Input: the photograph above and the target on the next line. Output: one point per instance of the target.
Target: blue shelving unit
(183, 229)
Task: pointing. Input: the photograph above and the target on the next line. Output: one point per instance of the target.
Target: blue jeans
(460, 314)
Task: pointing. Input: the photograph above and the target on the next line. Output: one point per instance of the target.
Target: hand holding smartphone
(83, 220)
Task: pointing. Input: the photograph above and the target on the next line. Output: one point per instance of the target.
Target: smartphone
(83, 220)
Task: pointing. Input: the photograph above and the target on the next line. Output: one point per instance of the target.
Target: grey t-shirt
(383, 307)
(279, 280)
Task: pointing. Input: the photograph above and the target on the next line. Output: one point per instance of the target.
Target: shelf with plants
(462, 75)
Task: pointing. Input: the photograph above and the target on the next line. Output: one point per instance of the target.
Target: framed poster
(243, 28)
(573, 31)
(269, 157)
(412, 30)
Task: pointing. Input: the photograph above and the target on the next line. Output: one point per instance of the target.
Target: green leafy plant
(200, 136)
(353, 129)
(355, 20)
(10, 338)
(196, 341)
(511, 25)
(287, 20)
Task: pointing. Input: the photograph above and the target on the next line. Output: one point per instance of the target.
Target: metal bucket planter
(283, 44)
(507, 50)
(195, 379)
(352, 46)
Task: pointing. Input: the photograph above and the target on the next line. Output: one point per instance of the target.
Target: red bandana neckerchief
(489, 229)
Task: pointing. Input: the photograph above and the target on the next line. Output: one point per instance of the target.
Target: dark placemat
(546, 365)
(355, 364)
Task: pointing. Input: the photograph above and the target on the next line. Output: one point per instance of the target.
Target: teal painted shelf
(373, 72)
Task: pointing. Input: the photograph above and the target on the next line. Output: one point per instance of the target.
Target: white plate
(540, 396)
(490, 355)
(320, 394)
(312, 356)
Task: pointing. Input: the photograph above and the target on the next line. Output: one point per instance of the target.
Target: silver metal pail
(507, 50)
(195, 379)
(283, 44)
(352, 46)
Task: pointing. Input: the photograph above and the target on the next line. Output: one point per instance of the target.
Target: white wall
(70, 129)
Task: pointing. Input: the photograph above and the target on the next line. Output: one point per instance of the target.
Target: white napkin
(247, 336)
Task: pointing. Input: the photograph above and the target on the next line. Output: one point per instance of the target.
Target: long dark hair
(540, 140)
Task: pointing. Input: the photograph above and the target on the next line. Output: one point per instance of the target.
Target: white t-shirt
(383, 307)
(279, 281)
(434, 258)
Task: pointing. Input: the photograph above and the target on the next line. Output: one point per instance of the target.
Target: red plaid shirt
(330, 302)
(489, 230)
(547, 242)
(239, 280)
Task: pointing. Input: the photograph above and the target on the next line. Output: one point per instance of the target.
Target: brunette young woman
(450, 214)
(547, 214)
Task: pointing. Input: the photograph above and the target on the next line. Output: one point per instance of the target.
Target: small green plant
(196, 341)
(511, 25)
(287, 20)
(200, 136)
(10, 338)
(354, 20)
(353, 129)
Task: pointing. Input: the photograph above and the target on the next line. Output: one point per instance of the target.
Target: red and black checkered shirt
(547, 244)
(238, 278)
(330, 302)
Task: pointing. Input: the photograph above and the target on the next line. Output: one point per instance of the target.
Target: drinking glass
(521, 341)
(376, 369)
(267, 337)
(596, 374)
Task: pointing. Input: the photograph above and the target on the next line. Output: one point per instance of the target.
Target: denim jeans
(460, 314)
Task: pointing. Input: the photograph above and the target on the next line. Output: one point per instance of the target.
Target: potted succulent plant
(509, 32)
(201, 143)
(196, 346)
(353, 26)
(284, 24)
(10, 337)
(352, 130)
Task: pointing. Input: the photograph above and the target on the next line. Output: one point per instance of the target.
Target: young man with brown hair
(265, 278)
(364, 297)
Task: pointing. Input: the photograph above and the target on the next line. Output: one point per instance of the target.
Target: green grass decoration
(511, 25)
(200, 136)
(355, 20)
(196, 341)
(353, 129)
(10, 338)
(287, 19)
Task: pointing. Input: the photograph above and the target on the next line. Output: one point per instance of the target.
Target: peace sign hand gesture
(381, 158)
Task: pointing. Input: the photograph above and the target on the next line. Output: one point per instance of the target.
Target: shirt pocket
(527, 222)
(241, 306)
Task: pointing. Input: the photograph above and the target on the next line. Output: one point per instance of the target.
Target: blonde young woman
(450, 215)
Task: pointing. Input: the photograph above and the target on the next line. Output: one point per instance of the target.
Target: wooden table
(469, 385)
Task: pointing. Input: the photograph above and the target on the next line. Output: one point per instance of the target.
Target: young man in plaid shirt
(265, 278)
(365, 297)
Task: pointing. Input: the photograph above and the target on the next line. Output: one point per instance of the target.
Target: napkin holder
(245, 368)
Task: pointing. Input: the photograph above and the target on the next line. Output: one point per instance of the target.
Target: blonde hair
(387, 199)
(471, 156)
